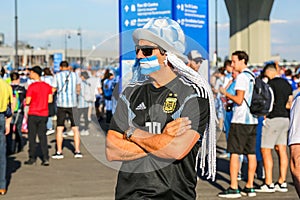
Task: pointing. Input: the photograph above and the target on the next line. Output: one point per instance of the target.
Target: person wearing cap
(67, 85)
(38, 95)
(195, 60)
(158, 122)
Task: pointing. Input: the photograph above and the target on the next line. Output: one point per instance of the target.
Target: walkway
(93, 177)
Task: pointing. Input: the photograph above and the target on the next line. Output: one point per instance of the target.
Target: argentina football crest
(170, 103)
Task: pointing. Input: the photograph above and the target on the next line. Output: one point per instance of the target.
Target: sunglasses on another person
(147, 50)
(197, 61)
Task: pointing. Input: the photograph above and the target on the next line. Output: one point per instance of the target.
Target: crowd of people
(161, 121)
(135, 141)
(268, 132)
(38, 102)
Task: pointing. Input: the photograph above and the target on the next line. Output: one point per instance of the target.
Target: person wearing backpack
(274, 131)
(242, 133)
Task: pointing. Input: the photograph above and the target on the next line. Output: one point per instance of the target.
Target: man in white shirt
(242, 134)
(294, 142)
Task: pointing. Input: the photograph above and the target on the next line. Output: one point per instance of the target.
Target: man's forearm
(7, 125)
(164, 145)
(120, 149)
(238, 98)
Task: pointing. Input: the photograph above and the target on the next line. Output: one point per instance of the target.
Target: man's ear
(189, 63)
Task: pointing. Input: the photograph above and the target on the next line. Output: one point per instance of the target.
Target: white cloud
(51, 33)
(278, 21)
(277, 40)
(56, 37)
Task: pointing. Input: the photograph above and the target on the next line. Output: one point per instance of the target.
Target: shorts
(67, 113)
(99, 101)
(274, 131)
(242, 139)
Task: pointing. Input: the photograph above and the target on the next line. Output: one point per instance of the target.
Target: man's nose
(140, 54)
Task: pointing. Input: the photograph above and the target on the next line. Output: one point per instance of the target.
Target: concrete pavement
(92, 177)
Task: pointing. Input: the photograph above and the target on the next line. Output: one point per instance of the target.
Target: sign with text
(57, 58)
(135, 14)
(192, 15)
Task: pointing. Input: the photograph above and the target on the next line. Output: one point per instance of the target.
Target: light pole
(80, 45)
(32, 56)
(67, 36)
(16, 36)
(48, 45)
(216, 27)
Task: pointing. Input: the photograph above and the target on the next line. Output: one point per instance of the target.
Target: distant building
(44, 57)
(1, 39)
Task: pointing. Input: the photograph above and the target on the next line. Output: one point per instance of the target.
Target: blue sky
(42, 22)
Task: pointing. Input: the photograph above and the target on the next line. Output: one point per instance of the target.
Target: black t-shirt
(282, 90)
(151, 109)
(20, 93)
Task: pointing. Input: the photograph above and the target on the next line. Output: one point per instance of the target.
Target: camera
(229, 107)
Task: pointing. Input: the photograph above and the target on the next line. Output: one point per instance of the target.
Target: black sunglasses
(146, 50)
(197, 61)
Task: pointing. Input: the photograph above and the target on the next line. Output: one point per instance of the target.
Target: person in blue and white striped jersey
(67, 85)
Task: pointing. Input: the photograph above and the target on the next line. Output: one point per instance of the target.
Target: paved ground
(94, 178)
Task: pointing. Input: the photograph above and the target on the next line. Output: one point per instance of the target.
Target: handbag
(8, 112)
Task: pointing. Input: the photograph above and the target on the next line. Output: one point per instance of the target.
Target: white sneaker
(266, 188)
(58, 156)
(77, 155)
(281, 187)
(50, 131)
(70, 133)
(84, 132)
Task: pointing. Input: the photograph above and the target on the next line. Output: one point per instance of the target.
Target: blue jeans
(2, 152)
(49, 123)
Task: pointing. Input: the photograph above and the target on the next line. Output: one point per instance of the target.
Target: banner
(192, 15)
(57, 58)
